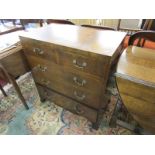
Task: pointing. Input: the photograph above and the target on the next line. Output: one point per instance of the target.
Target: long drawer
(46, 69)
(84, 89)
(79, 60)
(67, 103)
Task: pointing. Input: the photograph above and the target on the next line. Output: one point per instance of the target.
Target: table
(135, 79)
(11, 54)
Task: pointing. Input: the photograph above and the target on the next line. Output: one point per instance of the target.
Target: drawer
(56, 72)
(67, 103)
(88, 62)
(15, 63)
(64, 81)
(84, 61)
(39, 49)
(85, 97)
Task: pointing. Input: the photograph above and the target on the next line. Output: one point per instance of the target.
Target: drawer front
(45, 69)
(39, 49)
(82, 88)
(67, 103)
(79, 95)
(84, 61)
(15, 63)
(88, 63)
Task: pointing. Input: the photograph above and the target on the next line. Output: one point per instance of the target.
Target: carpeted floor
(46, 118)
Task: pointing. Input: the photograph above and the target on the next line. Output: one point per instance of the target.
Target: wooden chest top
(138, 63)
(85, 39)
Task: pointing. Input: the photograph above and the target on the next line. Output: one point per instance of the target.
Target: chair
(99, 27)
(146, 26)
(11, 80)
(145, 35)
(59, 21)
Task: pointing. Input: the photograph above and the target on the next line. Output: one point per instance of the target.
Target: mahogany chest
(71, 64)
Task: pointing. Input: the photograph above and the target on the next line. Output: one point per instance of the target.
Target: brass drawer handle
(46, 82)
(81, 66)
(40, 68)
(78, 110)
(79, 82)
(82, 97)
(38, 51)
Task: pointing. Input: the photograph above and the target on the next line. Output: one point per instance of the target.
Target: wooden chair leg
(14, 83)
(3, 91)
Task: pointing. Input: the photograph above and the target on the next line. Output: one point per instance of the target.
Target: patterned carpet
(46, 118)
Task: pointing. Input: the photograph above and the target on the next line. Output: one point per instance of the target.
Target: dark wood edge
(59, 21)
(135, 80)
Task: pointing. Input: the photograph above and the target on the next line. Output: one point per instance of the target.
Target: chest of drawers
(71, 64)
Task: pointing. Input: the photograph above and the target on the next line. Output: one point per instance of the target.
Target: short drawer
(39, 49)
(67, 103)
(84, 61)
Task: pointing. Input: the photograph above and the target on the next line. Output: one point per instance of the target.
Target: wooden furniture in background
(147, 25)
(3, 21)
(71, 64)
(9, 25)
(99, 27)
(59, 21)
(25, 22)
(12, 57)
(13, 63)
(136, 81)
(146, 35)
